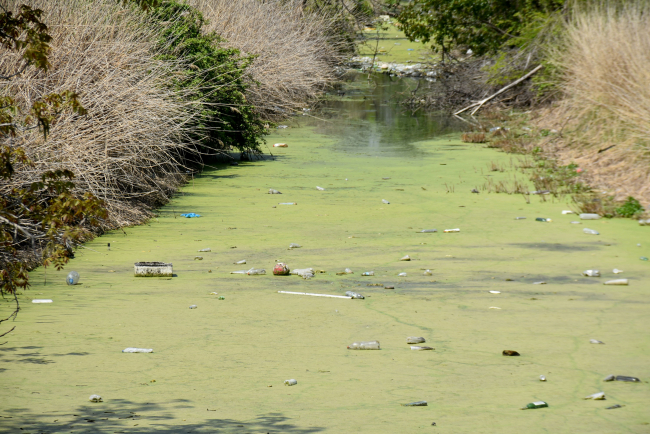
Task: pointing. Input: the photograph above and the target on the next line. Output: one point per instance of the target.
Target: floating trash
(494, 307)
(534, 405)
(643, 258)
(428, 231)
(294, 246)
(596, 396)
(291, 382)
(320, 188)
(595, 341)
(591, 273)
(137, 350)
(495, 292)
(354, 295)
(401, 275)
(418, 348)
(539, 283)
(190, 215)
(281, 269)
(520, 218)
(576, 223)
(405, 258)
(193, 306)
(590, 231)
(614, 406)
(589, 216)
(348, 271)
(41, 300)
(315, 295)
(281, 127)
(389, 287)
(95, 398)
(542, 219)
(256, 271)
(617, 271)
(415, 340)
(416, 403)
(153, 269)
(385, 201)
(542, 378)
(623, 282)
(510, 353)
(280, 145)
(428, 273)
(368, 273)
(198, 258)
(273, 191)
(243, 261)
(566, 211)
(239, 272)
(72, 278)
(288, 203)
(622, 378)
(451, 230)
(205, 250)
(369, 345)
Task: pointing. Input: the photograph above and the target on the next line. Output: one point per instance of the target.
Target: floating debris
(596, 396)
(510, 353)
(405, 258)
(623, 282)
(591, 273)
(354, 295)
(370, 345)
(596, 341)
(414, 348)
(415, 340)
(451, 230)
(416, 404)
(291, 382)
(385, 201)
(95, 398)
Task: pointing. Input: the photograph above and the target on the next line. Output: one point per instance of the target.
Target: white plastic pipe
(315, 295)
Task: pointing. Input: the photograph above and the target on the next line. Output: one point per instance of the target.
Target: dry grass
(606, 64)
(126, 150)
(473, 137)
(295, 52)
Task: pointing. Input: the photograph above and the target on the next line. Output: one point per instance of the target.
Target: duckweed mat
(221, 367)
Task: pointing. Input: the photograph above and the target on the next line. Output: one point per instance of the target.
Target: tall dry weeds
(606, 86)
(295, 52)
(125, 151)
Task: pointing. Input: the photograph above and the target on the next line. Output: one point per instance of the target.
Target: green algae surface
(221, 367)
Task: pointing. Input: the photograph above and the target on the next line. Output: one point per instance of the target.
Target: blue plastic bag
(190, 215)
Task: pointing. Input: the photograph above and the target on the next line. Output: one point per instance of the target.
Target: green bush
(630, 208)
(214, 76)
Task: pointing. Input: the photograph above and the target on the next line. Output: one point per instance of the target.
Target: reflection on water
(367, 117)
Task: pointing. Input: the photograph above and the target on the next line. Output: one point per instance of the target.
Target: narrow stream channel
(221, 367)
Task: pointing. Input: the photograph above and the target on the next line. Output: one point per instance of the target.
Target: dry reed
(606, 64)
(295, 52)
(126, 150)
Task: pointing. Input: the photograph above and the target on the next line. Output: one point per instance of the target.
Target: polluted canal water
(221, 367)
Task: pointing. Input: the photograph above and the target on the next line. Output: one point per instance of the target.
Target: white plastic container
(589, 216)
(137, 350)
(591, 273)
(369, 345)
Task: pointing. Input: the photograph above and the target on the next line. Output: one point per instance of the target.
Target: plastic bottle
(416, 404)
(256, 271)
(589, 216)
(542, 219)
(451, 230)
(428, 273)
(617, 271)
(355, 295)
(596, 396)
(418, 348)
(623, 282)
(401, 275)
(280, 145)
(294, 246)
(273, 191)
(291, 382)
(239, 272)
(320, 188)
(368, 273)
(535, 404)
(428, 231)
(520, 218)
(348, 271)
(385, 201)
(643, 258)
(628, 379)
(405, 258)
(596, 341)
(41, 300)
(243, 261)
(205, 250)
(415, 340)
(590, 231)
(542, 378)
(288, 203)
(95, 398)
(370, 345)
(137, 350)
(73, 278)
(193, 306)
(591, 273)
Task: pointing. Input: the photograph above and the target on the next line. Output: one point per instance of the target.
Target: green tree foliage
(630, 208)
(482, 25)
(214, 75)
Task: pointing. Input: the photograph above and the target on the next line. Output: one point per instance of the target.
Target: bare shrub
(295, 52)
(126, 150)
